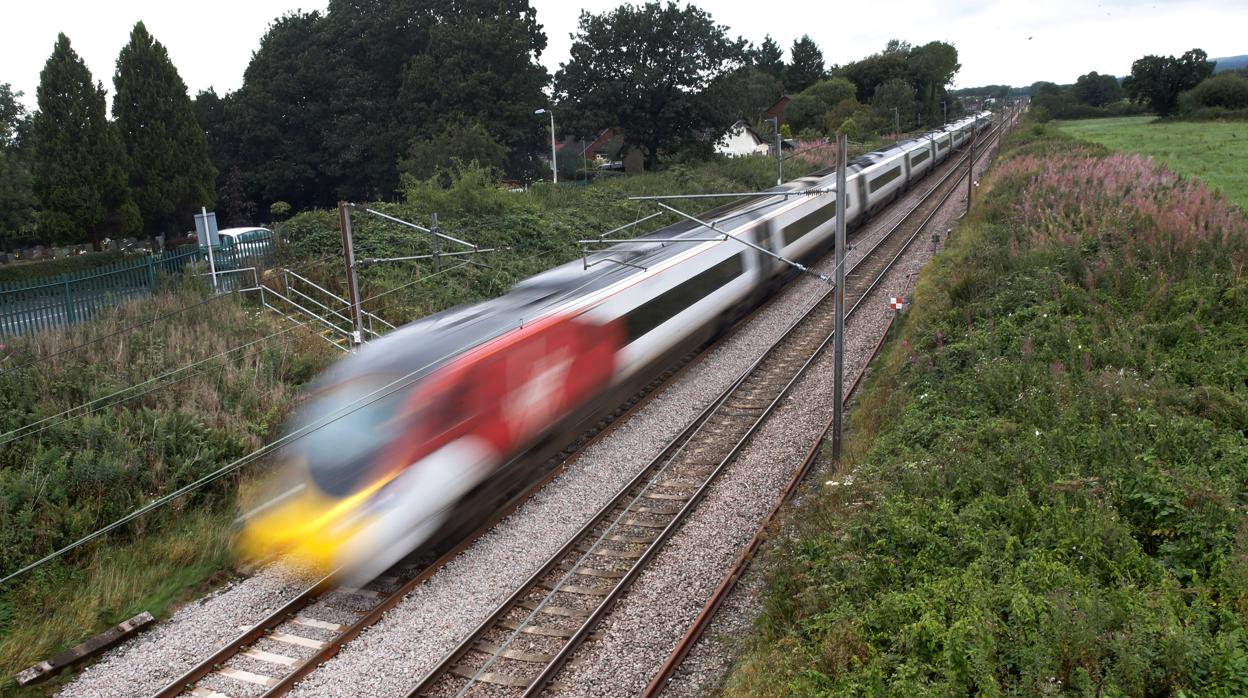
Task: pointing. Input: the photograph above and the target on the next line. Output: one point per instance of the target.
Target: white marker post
(207, 233)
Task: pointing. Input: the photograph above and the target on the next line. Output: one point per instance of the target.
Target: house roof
(778, 109)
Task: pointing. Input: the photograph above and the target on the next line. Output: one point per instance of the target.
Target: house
(739, 140)
(778, 109)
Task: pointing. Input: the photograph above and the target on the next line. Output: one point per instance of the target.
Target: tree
(805, 65)
(745, 93)
(480, 68)
(17, 194)
(77, 156)
(807, 109)
(643, 68)
(330, 100)
(1097, 90)
(1158, 80)
(875, 70)
(468, 142)
(236, 209)
(932, 67)
(167, 164)
(893, 95)
(769, 58)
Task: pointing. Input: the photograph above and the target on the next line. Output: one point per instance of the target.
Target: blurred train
(423, 433)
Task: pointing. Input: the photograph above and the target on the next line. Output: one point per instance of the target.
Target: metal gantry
(353, 266)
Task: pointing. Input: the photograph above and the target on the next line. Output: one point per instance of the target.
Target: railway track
(269, 657)
(526, 641)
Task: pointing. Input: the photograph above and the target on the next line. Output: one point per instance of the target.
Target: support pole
(970, 172)
(353, 282)
(779, 172)
(838, 404)
(437, 241)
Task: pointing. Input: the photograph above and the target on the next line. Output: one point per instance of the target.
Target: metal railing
(27, 307)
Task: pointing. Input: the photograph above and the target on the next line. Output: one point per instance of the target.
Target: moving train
(421, 434)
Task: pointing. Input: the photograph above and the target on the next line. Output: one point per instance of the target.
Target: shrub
(1224, 91)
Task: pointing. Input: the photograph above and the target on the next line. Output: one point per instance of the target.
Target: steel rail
(652, 470)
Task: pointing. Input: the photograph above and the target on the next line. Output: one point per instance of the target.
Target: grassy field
(1215, 151)
(1046, 485)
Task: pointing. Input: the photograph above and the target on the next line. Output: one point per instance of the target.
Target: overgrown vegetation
(38, 269)
(1211, 151)
(1047, 483)
(70, 479)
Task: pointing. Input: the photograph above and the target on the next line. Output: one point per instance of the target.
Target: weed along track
(526, 641)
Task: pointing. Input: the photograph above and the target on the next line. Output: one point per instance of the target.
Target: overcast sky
(998, 41)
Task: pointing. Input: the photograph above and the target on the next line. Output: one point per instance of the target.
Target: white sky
(998, 41)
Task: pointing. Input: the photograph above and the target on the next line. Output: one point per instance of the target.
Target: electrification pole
(554, 169)
(353, 282)
(970, 172)
(838, 359)
(775, 120)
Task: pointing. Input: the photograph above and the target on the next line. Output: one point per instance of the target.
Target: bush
(1224, 91)
(37, 269)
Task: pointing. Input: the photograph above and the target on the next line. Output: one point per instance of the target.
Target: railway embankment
(1046, 485)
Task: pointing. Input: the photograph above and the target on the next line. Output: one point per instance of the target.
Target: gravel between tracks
(388, 658)
(708, 664)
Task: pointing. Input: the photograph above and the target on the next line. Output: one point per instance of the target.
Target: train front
(393, 438)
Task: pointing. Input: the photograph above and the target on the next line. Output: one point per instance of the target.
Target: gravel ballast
(391, 656)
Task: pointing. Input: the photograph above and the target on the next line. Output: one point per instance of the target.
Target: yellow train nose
(309, 527)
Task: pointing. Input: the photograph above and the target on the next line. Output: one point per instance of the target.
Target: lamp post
(554, 168)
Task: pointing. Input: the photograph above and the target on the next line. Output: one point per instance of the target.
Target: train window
(942, 144)
(880, 181)
(920, 156)
(666, 305)
(812, 220)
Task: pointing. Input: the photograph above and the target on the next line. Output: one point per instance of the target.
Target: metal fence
(27, 307)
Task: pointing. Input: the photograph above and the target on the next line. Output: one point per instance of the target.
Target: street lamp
(554, 169)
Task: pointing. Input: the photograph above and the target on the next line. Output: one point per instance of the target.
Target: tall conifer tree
(167, 162)
(77, 158)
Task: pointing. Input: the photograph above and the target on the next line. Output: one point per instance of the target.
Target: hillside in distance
(1230, 63)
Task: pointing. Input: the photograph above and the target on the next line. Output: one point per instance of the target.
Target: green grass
(1045, 490)
(1216, 152)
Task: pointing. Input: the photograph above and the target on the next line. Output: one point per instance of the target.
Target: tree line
(346, 103)
(1170, 86)
(73, 175)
